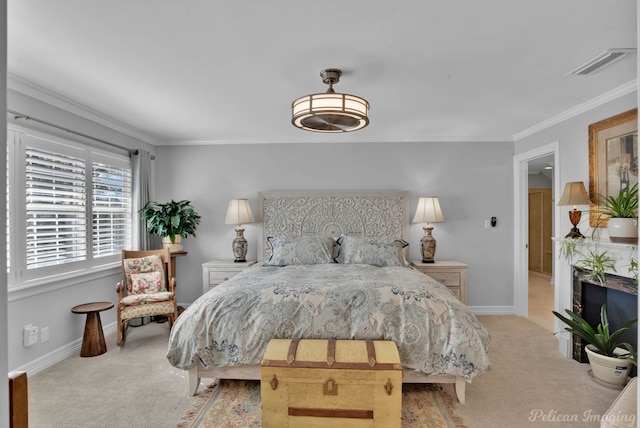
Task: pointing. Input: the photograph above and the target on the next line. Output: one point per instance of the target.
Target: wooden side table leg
(93, 342)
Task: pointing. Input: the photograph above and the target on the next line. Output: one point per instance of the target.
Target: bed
(332, 265)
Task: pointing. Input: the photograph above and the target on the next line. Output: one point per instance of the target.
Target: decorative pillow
(303, 250)
(147, 283)
(135, 299)
(143, 265)
(371, 251)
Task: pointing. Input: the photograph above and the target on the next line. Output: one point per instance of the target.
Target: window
(73, 211)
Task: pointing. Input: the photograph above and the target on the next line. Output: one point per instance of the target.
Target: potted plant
(171, 221)
(610, 358)
(621, 214)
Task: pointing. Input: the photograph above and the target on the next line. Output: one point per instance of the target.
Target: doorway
(540, 244)
(525, 163)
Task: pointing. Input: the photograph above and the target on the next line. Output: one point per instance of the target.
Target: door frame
(521, 220)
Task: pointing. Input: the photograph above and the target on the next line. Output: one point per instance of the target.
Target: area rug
(233, 403)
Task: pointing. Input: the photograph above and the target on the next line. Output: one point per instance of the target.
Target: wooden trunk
(331, 383)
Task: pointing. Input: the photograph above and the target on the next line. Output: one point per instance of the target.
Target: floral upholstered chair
(148, 288)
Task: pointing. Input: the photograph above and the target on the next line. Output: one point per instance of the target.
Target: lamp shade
(574, 194)
(239, 212)
(428, 210)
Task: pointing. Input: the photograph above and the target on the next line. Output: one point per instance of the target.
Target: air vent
(600, 61)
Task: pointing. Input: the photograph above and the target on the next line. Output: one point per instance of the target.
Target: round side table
(93, 342)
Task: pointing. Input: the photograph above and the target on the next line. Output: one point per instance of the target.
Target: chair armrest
(172, 284)
(120, 290)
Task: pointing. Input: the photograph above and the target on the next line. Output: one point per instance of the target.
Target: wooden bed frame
(372, 214)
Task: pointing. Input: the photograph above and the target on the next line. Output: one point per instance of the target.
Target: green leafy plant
(633, 267)
(601, 338)
(597, 262)
(623, 205)
(170, 219)
(569, 248)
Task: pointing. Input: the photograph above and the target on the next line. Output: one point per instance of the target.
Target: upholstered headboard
(371, 214)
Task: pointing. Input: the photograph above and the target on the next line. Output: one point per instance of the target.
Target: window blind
(111, 209)
(56, 208)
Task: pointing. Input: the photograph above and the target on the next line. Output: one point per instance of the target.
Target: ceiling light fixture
(330, 112)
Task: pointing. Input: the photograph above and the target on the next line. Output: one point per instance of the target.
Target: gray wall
(573, 137)
(539, 181)
(50, 305)
(4, 364)
(473, 181)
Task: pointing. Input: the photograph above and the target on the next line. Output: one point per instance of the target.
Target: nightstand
(452, 274)
(216, 272)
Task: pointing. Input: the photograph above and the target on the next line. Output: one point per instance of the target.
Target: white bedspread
(232, 324)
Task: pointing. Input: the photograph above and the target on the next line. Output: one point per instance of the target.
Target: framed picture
(613, 159)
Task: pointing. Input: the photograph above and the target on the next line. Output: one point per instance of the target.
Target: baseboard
(40, 364)
(492, 310)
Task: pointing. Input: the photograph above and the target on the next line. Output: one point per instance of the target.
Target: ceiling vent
(600, 61)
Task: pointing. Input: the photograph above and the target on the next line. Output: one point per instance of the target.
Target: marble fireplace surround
(563, 278)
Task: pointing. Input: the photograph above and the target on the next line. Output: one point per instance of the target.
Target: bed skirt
(252, 372)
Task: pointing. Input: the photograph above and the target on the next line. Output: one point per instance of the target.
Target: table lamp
(239, 212)
(574, 194)
(428, 212)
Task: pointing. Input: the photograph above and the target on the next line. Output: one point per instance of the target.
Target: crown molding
(618, 92)
(40, 93)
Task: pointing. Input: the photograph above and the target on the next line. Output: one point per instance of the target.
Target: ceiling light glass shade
(330, 112)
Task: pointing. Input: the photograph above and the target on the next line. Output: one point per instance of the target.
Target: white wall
(51, 305)
(473, 181)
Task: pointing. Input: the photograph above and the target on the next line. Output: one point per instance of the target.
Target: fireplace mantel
(621, 254)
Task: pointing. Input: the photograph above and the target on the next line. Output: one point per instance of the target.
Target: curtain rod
(19, 115)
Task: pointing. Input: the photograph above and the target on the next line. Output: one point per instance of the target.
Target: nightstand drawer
(451, 274)
(450, 279)
(219, 277)
(456, 291)
(216, 272)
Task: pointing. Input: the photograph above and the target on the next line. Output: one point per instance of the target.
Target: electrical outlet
(487, 224)
(30, 335)
(44, 334)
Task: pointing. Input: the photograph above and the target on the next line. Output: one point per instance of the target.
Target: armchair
(148, 288)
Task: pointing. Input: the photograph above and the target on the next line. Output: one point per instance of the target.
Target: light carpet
(530, 385)
(231, 404)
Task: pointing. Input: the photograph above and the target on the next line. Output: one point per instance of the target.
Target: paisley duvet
(232, 323)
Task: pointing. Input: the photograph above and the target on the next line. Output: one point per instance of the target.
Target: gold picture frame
(613, 159)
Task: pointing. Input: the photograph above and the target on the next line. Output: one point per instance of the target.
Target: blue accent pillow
(371, 251)
(302, 250)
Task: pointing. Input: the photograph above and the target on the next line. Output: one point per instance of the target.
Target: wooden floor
(541, 295)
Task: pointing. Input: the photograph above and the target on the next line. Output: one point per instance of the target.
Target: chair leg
(122, 331)
(119, 333)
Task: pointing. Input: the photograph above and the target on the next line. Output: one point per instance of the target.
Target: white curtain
(142, 191)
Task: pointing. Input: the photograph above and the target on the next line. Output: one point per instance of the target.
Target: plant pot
(173, 247)
(609, 370)
(623, 229)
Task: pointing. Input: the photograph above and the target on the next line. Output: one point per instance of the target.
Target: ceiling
(206, 72)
